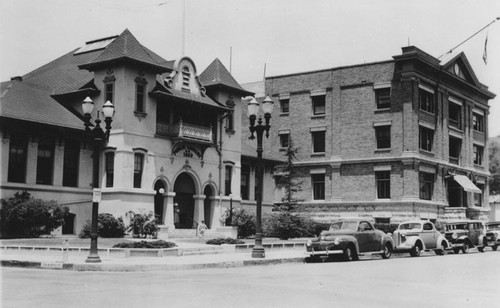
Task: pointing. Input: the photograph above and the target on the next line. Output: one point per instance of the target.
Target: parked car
(416, 236)
(492, 237)
(350, 238)
(465, 234)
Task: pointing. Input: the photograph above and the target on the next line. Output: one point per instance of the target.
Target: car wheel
(440, 251)
(466, 247)
(494, 247)
(350, 253)
(387, 253)
(456, 250)
(312, 259)
(415, 251)
(480, 248)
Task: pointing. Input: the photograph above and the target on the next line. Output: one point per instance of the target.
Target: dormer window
(186, 76)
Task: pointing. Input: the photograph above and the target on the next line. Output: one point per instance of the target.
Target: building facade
(394, 140)
(174, 148)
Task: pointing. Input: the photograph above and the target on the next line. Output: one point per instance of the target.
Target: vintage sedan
(465, 234)
(492, 237)
(349, 238)
(416, 236)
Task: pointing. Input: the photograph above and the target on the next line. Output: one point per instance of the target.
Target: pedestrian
(201, 229)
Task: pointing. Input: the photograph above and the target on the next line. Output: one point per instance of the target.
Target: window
(284, 105)
(139, 97)
(383, 179)
(455, 148)
(71, 162)
(383, 135)
(318, 141)
(138, 167)
(478, 198)
(478, 122)
(245, 182)
(382, 220)
(426, 100)
(455, 115)
(426, 138)
(284, 140)
(109, 160)
(230, 121)
(186, 76)
(318, 185)
(228, 177)
(109, 92)
(478, 154)
(17, 159)
(45, 161)
(383, 98)
(426, 184)
(318, 103)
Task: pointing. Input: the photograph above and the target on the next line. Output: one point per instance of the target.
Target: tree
(142, 224)
(25, 216)
(290, 180)
(494, 159)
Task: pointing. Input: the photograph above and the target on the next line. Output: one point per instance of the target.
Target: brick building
(174, 148)
(393, 140)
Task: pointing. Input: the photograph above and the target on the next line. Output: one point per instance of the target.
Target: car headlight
(403, 235)
(336, 241)
(454, 236)
(308, 243)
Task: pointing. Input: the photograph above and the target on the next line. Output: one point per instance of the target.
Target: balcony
(185, 131)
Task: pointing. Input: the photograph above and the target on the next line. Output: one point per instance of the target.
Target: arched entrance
(208, 192)
(159, 197)
(184, 189)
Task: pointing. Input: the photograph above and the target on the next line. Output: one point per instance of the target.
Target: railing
(184, 130)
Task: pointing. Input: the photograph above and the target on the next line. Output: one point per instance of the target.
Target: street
(471, 280)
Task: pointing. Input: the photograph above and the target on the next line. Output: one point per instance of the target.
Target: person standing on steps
(201, 229)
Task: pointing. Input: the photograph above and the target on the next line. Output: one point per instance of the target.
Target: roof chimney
(16, 78)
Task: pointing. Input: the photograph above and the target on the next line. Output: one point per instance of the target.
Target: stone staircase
(218, 232)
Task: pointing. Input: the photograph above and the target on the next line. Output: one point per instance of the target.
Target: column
(168, 211)
(199, 208)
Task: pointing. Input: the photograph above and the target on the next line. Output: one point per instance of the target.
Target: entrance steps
(217, 232)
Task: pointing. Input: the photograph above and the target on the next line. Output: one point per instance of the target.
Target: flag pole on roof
(451, 50)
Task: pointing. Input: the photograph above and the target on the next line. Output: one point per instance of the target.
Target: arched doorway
(159, 197)
(184, 212)
(208, 192)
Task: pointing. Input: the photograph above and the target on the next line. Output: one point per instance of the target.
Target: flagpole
(498, 18)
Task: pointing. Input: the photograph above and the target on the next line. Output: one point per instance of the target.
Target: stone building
(393, 140)
(174, 148)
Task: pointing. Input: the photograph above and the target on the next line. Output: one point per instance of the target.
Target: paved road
(471, 280)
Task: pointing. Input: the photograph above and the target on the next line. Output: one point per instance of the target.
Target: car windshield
(493, 226)
(344, 225)
(410, 226)
(457, 227)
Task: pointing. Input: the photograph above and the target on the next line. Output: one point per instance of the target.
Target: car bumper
(324, 252)
(403, 248)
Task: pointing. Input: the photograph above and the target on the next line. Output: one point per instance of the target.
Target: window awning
(466, 184)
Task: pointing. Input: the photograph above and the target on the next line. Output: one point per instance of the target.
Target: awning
(466, 184)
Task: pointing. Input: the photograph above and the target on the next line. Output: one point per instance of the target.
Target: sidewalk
(224, 259)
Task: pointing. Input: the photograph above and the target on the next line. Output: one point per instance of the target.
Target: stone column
(168, 211)
(199, 209)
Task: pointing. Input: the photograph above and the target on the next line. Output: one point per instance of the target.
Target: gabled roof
(466, 71)
(217, 75)
(126, 48)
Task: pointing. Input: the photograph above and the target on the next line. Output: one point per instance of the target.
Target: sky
(282, 36)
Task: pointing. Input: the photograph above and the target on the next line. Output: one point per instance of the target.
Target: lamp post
(99, 136)
(253, 109)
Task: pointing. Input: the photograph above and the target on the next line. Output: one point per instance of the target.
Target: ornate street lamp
(99, 138)
(253, 110)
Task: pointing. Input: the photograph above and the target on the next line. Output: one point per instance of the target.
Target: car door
(367, 237)
(428, 235)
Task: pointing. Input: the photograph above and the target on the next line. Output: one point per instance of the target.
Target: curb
(146, 267)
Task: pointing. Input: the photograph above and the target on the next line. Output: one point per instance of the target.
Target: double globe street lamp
(259, 129)
(99, 137)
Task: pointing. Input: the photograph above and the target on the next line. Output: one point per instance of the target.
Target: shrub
(142, 224)
(25, 216)
(107, 226)
(286, 225)
(146, 244)
(220, 241)
(386, 227)
(244, 221)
